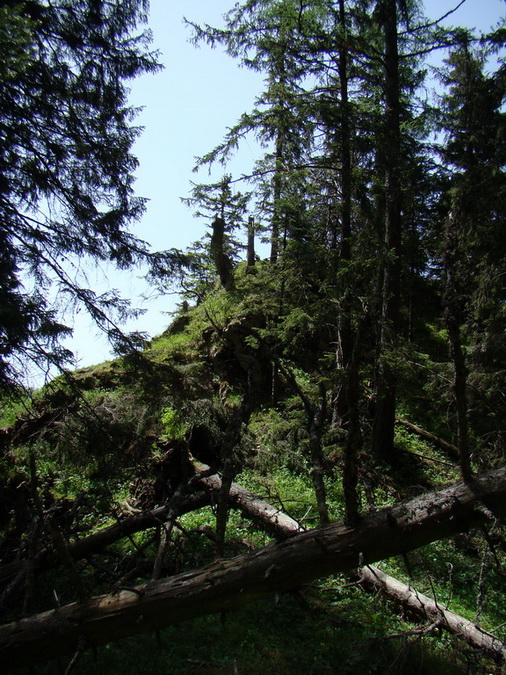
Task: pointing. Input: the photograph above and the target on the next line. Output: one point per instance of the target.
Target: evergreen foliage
(67, 171)
(360, 364)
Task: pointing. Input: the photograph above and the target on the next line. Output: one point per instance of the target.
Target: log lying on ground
(426, 608)
(268, 517)
(273, 520)
(278, 567)
(132, 524)
(259, 511)
(282, 526)
(82, 548)
(440, 443)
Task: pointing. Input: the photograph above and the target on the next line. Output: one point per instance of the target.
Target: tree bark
(277, 193)
(268, 517)
(352, 447)
(426, 608)
(454, 318)
(371, 577)
(348, 397)
(223, 264)
(229, 470)
(384, 420)
(250, 258)
(440, 443)
(276, 568)
(317, 420)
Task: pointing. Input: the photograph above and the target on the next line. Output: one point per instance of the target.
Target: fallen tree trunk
(82, 548)
(440, 443)
(268, 517)
(278, 567)
(271, 519)
(282, 526)
(426, 608)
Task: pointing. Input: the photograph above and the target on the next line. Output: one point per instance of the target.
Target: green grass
(332, 627)
(172, 347)
(333, 630)
(12, 409)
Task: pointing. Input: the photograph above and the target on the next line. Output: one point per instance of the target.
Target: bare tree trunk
(229, 469)
(271, 519)
(352, 445)
(277, 193)
(426, 608)
(276, 568)
(348, 397)
(449, 448)
(222, 262)
(384, 420)
(454, 318)
(250, 261)
(222, 506)
(317, 419)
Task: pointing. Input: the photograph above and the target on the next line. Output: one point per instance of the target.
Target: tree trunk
(346, 406)
(268, 517)
(352, 445)
(317, 418)
(454, 318)
(276, 568)
(221, 260)
(371, 577)
(384, 420)
(250, 259)
(440, 443)
(345, 332)
(426, 608)
(277, 193)
(229, 469)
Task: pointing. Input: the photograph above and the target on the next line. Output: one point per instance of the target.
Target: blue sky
(187, 108)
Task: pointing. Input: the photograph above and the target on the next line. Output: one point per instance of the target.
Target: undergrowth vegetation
(322, 397)
(119, 439)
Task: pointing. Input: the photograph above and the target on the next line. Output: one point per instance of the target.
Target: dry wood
(47, 558)
(278, 567)
(440, 443)
(266, 516)
(426, 608)
(282, 526)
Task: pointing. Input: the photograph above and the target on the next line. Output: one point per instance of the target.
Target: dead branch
(440, 443)
(428, 609)
(279, 567)
(82, 548)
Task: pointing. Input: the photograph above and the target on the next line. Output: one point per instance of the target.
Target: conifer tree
(383, 432)
(65, 163)
(474, 250)
(227, 210)
(265, 38)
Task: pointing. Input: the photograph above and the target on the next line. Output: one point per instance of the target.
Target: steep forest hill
(121, 478)
(306, 472)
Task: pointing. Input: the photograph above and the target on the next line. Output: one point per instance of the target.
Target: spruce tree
(474, 250)
(226, 211)
(266, 37)
(65, 164)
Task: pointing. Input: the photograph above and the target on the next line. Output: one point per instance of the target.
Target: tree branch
(276, 568)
